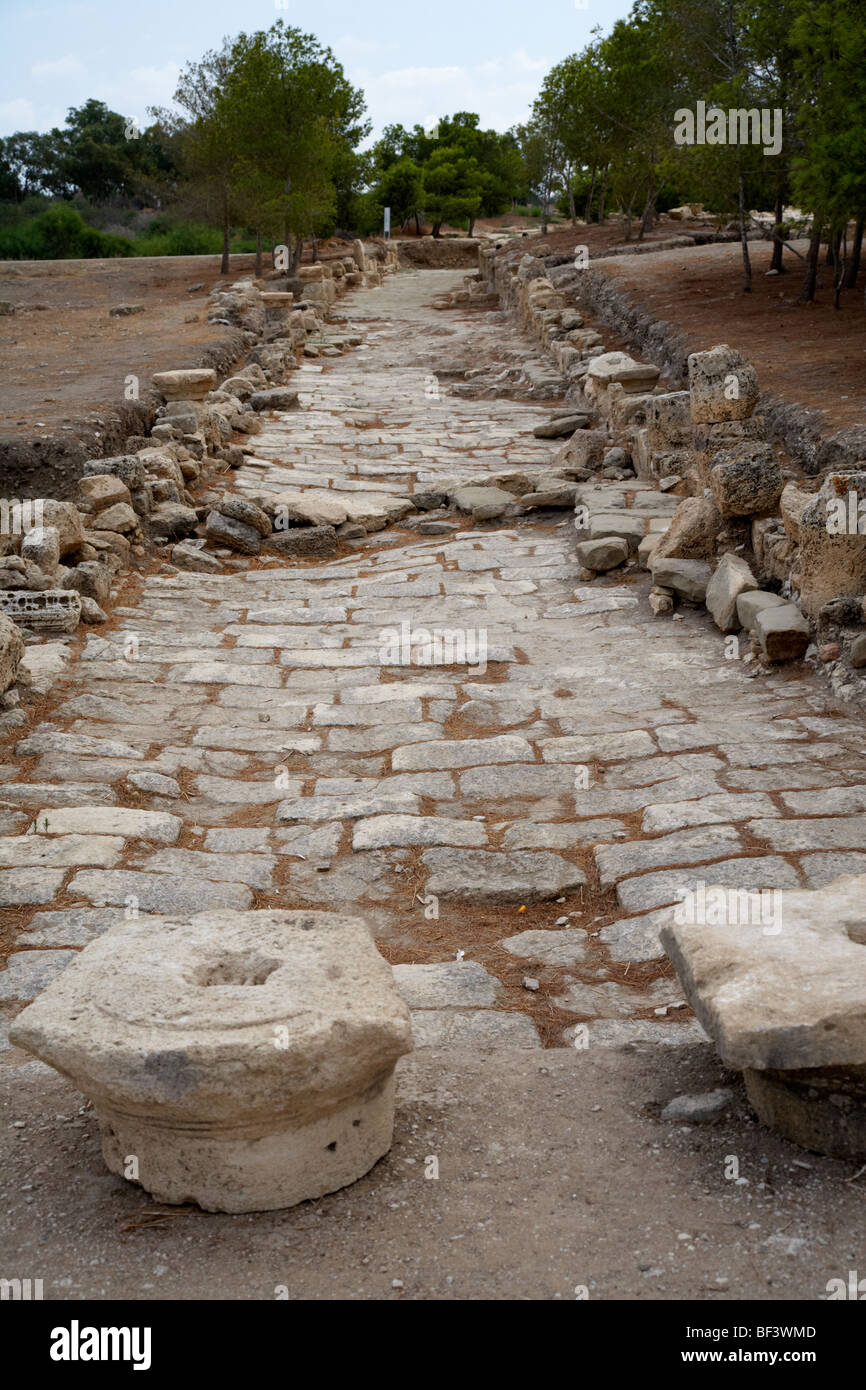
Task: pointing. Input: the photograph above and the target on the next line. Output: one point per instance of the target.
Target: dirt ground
(62, 354)
(812, 354)
(556, 1180)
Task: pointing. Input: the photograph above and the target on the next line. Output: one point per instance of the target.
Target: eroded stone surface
(268, 1078)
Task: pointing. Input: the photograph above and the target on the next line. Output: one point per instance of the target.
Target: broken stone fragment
(751, 602)
(688, 578)
(483, 503)
(66, 520)
(237, 535)
(778, 980)
(602, 555)
(191, 555)
(269, 1077)
(128, 467)
(832, 543)
(11, 652)
(239, 509)
(102, 490)
(170, 520)
(782, 632)
(723, 385)
(52, 610)
(701, 1109)
(41, 546)
(120, 517)
(278, 398)
(561, 425)
(190, 384)
(693, 530)
(746, 480)
(731, 578)
(304, 542)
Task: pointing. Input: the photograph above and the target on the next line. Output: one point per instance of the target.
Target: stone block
(11, 651)
(190, 384)
(731, 578)
(832, 543)
(602, 555)
(746, 480)
(66, 520)
(268, 1079)
(723, 385)
(688, 578)
(51, 610)
(41, 546)
(782, 631)
(751, 602)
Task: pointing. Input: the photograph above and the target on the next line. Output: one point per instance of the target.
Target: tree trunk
(807, 294)
(603, 194)
(778, 243)
(744, 240)
(315, 242)
(591, 191)
(841, 259)
(417, 225)
(224, 263)
(572, 210)
(258, 253)
(853, 267)
(471, 225)
(648, 216)
(627, 218)
(437, 227)
(834, 241)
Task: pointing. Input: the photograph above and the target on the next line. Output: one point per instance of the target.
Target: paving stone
(254, 870)
(829, 801)
(156, 893)
(154, 782)
(487, 877)
(378, 739)
(461, 984)
(611, 1000)
(478, 1029)
(634, 938)
(29, 972)
(225, 790)
(71, 927)
(605, 747)
(48, 741)
(19, 887)
(564, 947)
(320, 843)
(48, 794)
(647, 891)
(683, 847)
(503, 748)
(32, 851)
(707, 810)
(328, 808)
(823, 869)
(380, 832)
(840, 832)
(611, 1032)
(561, 835)
(675, 738)
(105, 820)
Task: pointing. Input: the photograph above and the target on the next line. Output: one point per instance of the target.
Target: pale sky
(415, 61)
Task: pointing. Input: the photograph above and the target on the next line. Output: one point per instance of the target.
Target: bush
(58, 233)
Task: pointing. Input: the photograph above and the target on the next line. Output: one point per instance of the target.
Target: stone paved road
(450, 733)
